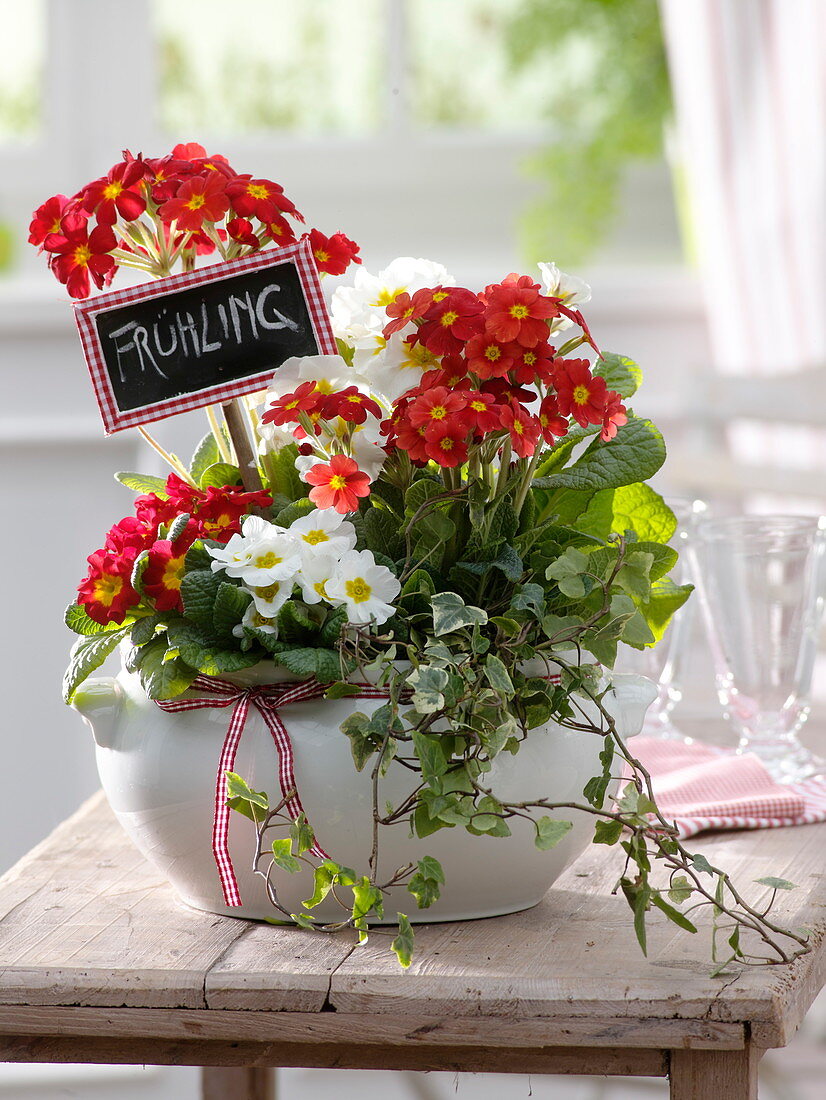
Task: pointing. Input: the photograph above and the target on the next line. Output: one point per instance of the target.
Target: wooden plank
(563, 956)
(698, 1075)
(246, 1083)
(360, 1030)
(601, 1061)
(276, 969)
(88, 921)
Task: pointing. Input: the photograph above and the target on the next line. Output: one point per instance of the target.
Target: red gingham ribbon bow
(268, 700)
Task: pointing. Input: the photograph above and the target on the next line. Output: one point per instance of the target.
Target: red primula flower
(350, 405)
(410, 440)
(198, 199)
(435, 405)
(524, 429)
(161, 579)
(446, 443)
(240, 229)
(614, 416)
(404, 309)
(488, 357)
(115, 194)
(130, 532)
(482, 413)
(189, 150)
(260, 199)
(333, 255)
(532, 365)
(46, 219)
(279, 230)
(218, 515)
(77, 254)
(552, 423)
(338, 485)
(285, 410)
(518, 311)
(106, 592)
(504, 390)
(454, 317)
(580, 394)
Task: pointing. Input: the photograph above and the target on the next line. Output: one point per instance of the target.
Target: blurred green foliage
(609, 109)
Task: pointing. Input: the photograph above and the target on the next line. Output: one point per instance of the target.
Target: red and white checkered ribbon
(267, 699)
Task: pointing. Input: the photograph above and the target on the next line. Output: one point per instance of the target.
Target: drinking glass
(664, 662)
(760, 580)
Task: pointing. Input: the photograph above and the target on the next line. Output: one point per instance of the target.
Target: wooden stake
(247, 462)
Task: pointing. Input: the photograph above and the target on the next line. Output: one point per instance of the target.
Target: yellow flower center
(355, 398)
(196, 202)
(438, 412)
(529, 358)
(269, 592)
(358, 589)
(518, 427)
(446, 444)
(581, 395)
(267, 561)
(173, 572)
(337, 481)
(478, 406)
(82, 255)
(449, 317)
(386, 297)
(257, 191)
(112, 190)
(440, 296)
(315, 537)
(320, 589)
(107, 588)
(321, 255)
(492, 353)
(519, 311)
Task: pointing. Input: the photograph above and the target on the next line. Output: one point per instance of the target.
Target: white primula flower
(270, 598)
(316, 571)
(255, 621)
(395, 368)
(570, 288)
(365, 588)
(239, 549)
(362, 305)
(323, 530)
(266, 556)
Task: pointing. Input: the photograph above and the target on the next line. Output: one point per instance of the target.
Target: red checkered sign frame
(116, 419)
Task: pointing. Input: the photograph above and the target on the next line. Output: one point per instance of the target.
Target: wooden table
(100, 963)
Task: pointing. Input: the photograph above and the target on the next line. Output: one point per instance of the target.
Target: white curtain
(749, 82)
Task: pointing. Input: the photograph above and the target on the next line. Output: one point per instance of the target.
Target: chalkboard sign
(205, 337)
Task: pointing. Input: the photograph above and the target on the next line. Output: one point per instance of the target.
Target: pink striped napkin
(703, 787)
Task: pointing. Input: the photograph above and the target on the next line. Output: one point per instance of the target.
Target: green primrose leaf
(143, 483)
(634, 454)
(620, 373)
(206, 455)
(88, 654)
(76, 618)
(218, 474)
(549, 832)
(777, 883)
(402, 945)
(323, 880)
